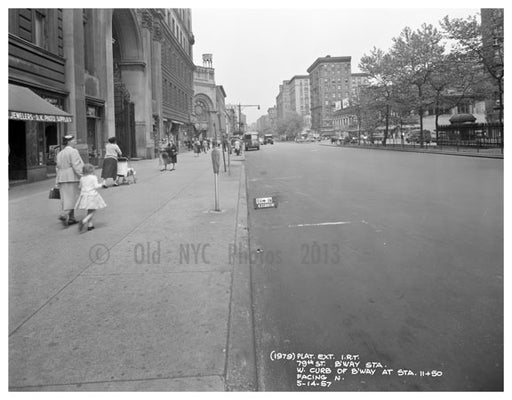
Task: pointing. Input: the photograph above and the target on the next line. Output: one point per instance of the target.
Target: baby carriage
(125, 173)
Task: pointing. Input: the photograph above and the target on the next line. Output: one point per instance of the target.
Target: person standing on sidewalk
(109, 170)
(69, 166)
(89, 198)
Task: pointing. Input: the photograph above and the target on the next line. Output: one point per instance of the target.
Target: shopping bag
(54, 193)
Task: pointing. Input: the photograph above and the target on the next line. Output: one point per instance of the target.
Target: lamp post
(240, 113)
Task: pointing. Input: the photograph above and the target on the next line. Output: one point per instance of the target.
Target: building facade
(283, 101)
(358, 80)
(173, 87)
(263, 123)
(271, 111)
(118, 72)
(330, 88)
(299, 94)
(209, 115)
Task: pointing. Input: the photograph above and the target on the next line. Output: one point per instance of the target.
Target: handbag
(54, 193)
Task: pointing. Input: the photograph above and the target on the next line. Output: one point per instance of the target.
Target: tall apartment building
(283, 100)
(109, 72)
(271, 111)
(299, 95)
(359, 80)
(330, 80)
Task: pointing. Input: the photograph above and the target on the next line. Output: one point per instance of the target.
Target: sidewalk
(151, 300)
(468, 152)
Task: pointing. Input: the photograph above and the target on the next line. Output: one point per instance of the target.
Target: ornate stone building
(210, 116)
(113, 72)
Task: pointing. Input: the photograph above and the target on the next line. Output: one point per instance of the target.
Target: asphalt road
(393, 258)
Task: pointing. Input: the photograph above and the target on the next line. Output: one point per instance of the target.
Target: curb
(447, 153)
(241, 352)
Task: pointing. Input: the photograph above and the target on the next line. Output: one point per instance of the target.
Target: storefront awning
(25, 105)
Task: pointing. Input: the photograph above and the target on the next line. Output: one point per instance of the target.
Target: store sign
(24, 116)
(265, 202)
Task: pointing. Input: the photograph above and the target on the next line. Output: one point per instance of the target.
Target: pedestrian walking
(237, 147)
(109, 170)
(197, 147)
(69, 166)
(205, 145)
(169, 156)
(173, 155)
(89, 198)
(164, 155)
(161, 153)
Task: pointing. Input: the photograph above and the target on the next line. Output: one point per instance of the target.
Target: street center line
(276, 178)
(321, 224)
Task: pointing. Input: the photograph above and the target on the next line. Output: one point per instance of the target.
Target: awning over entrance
(25, 105)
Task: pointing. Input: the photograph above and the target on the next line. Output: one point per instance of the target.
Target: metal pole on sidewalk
(216, 181)
(216, 165)
(229, 158)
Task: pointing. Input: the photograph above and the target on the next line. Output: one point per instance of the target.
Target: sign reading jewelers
(265, 202)
(24, 116)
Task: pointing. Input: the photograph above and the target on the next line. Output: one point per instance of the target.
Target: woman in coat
(69, 171)
(173, 155)
(109, 170)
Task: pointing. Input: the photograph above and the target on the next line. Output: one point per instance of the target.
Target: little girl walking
(89, 198)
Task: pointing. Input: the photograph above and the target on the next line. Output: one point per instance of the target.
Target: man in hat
(69, 170)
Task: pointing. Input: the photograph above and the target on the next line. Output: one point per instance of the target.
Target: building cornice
(298, 77)
(324, 60)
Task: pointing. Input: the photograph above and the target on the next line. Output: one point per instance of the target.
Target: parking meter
(216, 160)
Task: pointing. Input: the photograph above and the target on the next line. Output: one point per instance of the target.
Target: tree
(379, 66)
(291, 124)
(369, 109)
(415, 55)
(454, 79)
(402, 104)
(481, 42)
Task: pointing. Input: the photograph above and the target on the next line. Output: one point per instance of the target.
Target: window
(464, 109)
(40, 32)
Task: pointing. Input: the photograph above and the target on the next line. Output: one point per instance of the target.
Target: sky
(256, 49)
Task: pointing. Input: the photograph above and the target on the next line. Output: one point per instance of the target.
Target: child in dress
(89, 198)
